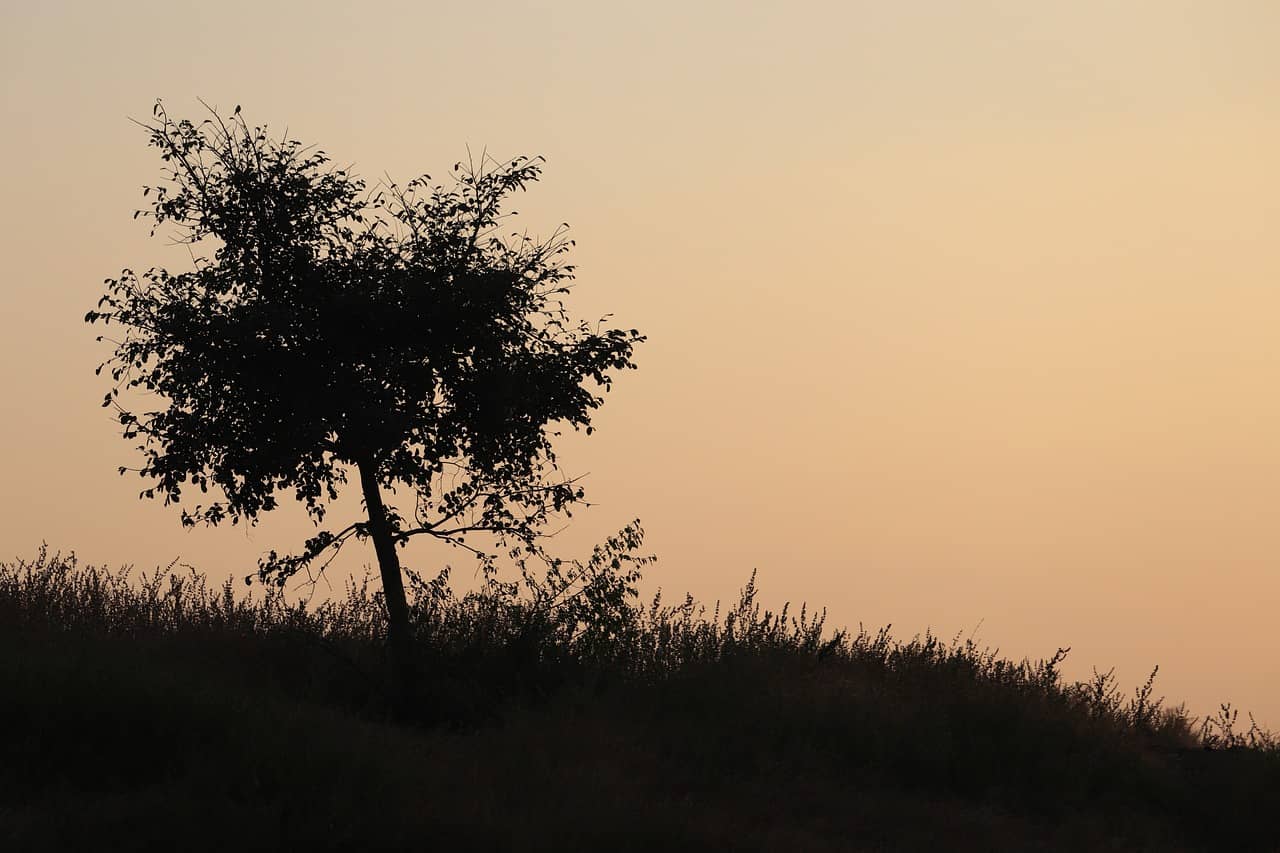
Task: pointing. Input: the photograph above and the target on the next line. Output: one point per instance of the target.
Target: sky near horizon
(958, 313)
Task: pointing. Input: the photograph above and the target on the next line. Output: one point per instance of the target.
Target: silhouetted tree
(400, 332)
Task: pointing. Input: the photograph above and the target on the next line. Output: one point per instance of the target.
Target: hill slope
(156, 714)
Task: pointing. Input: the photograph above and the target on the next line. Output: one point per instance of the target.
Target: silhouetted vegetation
(399, 335)
(402, 333)
(158, 711)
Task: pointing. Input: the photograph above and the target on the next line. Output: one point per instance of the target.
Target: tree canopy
(403, 331)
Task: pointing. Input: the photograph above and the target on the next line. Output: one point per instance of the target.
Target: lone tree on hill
(403, 333)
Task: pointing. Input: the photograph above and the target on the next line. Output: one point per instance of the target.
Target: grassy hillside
(153, 712)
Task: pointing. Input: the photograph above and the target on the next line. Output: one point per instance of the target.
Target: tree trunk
(398, 637)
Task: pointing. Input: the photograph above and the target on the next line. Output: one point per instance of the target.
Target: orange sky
(958, 312)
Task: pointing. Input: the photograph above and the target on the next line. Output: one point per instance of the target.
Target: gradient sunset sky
(959, 312)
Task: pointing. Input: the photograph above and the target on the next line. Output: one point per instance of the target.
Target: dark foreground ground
(191, 721)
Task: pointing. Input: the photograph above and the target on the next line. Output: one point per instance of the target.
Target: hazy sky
(958, 311)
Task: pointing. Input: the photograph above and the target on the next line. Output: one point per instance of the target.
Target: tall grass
(498, 633)
(731, 725)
